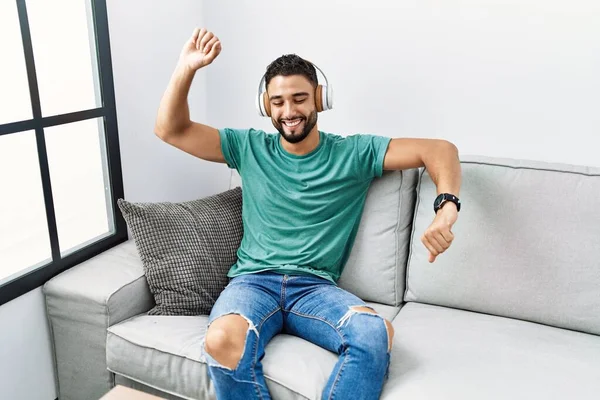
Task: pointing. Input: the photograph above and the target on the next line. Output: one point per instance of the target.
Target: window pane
(15, 104)
(24, 240)
(65, 55)
(80, 183)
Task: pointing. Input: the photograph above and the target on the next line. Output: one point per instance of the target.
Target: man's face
(293, 110)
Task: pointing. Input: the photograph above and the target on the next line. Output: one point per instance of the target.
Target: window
(60, 168)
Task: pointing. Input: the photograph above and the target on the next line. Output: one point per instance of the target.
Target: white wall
(510, 78)
(26, 363)
(146, 39)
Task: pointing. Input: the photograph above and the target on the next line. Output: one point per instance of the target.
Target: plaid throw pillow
(186, 249)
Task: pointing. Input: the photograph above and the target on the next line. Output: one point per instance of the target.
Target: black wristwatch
(443, 199)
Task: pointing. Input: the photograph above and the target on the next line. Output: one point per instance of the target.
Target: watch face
(439, 200)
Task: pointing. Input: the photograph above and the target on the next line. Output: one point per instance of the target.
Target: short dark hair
(291, 64)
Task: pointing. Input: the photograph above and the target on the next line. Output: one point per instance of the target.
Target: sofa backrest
(527, 244)
(375, 269)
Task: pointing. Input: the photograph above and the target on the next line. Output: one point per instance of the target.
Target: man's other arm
(441, 160)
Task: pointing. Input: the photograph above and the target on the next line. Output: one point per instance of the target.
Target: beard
(293, 134)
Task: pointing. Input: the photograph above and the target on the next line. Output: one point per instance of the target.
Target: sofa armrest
(81, 304)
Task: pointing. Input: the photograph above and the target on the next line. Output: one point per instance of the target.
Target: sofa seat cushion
(164, 352)
(443, 353)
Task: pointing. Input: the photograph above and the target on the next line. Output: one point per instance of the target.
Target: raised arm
(173, 124)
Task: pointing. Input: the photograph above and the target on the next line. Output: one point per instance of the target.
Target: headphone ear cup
(327, 97)
(266, 104)
(262, 105)
(329, 93)
(319, 98)
(259, 106)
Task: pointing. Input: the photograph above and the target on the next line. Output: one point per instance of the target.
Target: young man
(303, 195)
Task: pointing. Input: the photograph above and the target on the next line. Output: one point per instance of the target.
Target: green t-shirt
(301, 213)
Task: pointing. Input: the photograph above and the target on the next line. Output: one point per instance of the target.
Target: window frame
(37, 277)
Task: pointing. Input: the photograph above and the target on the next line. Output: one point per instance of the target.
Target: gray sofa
(511, 311)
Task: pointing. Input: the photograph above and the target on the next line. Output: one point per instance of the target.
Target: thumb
(214, 51)
(431, 258)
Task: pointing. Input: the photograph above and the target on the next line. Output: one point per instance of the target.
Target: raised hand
(200, 50)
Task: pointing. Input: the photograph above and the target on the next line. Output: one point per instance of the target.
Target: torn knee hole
(363, 309)
(226, 339)
(368, 310)
(355, 310)
(390, 332)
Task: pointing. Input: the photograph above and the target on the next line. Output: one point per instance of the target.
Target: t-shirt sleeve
(370, 152)
(233, 144)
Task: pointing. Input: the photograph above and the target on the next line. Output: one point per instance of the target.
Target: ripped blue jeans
(315, 310)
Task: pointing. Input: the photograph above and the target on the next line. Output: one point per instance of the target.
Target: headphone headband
(262, 80)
